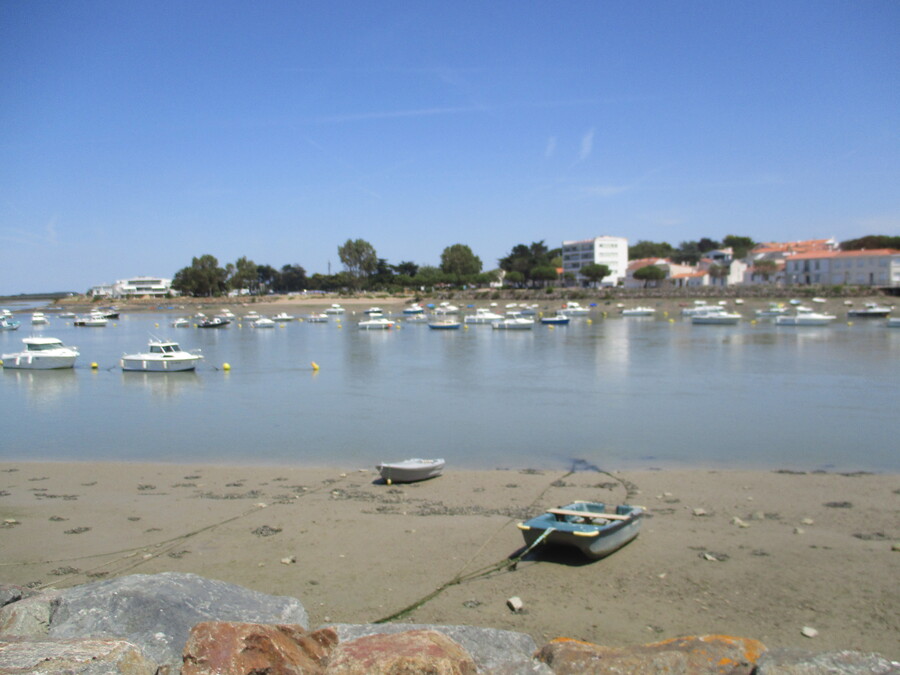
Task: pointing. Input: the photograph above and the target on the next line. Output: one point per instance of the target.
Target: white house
(135, 286)
(875, 267)
(605, 250)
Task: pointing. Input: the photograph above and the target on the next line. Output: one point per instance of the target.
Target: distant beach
(750, 553)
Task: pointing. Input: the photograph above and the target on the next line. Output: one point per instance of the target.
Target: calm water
(618, 393)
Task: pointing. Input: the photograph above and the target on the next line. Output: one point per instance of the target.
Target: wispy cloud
(398, 114)
(46, 236)
(551, 147)
(587, 146)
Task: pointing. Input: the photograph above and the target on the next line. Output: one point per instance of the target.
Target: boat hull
(410, 470)
(594, 539)
(37, 362)
(144, 363)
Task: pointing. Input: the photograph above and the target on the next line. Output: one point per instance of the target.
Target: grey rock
(73, 657)
(157, 612)
(29, 617)
(12, 593)
(495, 652)
(800, 662)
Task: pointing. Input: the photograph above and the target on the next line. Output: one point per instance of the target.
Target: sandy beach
(748, 553)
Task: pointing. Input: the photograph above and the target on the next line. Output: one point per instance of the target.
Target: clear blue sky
(137, 135)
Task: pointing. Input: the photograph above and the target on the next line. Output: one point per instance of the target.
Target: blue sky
(137, 135)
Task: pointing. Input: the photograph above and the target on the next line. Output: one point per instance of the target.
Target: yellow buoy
(156, 324)
(1, 362)
(388, 481)
(590, 321)
(849, 323)
(94, 366)
(315, 366)
(226, 366)
(671, 320)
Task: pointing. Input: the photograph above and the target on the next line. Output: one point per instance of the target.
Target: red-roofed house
(875, 267)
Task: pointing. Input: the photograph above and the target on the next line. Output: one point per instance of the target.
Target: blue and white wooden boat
(586, 526)
(559, 319)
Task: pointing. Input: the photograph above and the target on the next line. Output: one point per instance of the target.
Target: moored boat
(92, 320)
(804, 317)
(444, 324)
(42, 353)
(378, 323)
(283, 317)
(335, 309)
(39, 319)
(215, 322)
(559, 320)
(410, 470)
(482, 315)
(513, 321)
(586, 526)
(720, 318)
(870, 310)
(639, 311)
(8, 323)
(162, 356)
(574, 309)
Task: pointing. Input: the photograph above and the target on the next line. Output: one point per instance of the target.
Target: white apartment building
(609, 251)
(135, 286)
(876, 267)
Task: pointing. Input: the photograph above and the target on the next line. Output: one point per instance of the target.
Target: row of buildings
(798, 263)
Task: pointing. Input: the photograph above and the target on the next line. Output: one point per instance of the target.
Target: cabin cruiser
(774, 309)
(283, 316)
(717, 318)
(335, 309)
(8, 323)
(162, 356)
(870, 310)
(574, 309)
(513, 321)
(804, 316)
(39, 319)
(445, 308)
(42, 353)
(482, 315)
(94, 319)
(377, 323)
(639, 311)
(263, 322)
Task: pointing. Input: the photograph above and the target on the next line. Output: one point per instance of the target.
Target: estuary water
(615, 392)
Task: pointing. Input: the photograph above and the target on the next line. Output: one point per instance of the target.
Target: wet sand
(749, 553)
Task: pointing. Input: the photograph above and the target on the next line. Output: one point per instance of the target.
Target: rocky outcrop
(156, 612)
(708, 654)
(227, 648)
(197, 626)
(73, 657)
(415, 651)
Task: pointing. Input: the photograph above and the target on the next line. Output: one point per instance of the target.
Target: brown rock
(227, 648)
(415, 652)
(695, 655)
(73, 657)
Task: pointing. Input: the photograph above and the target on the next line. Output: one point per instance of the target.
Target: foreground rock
(708, 654)
(798, 662)
(415, 651)
(221, 648)
(74, 657)
(157, 612)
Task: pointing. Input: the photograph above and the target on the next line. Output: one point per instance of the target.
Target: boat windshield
(164, 349)
(43, 346)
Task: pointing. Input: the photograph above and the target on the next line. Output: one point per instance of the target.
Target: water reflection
(163, 385)
(43, 386)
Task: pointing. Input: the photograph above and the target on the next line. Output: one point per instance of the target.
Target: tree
(650, 249)
(871, 241)
(524, 259)
(544, 273)
(688, 253)
(244, 275)
(359, 258)
(649, 273)
(266, 275)
(459, 261)
(514, 278)
(706, 244)
(765, 268)
(406, 268)
(740, 245)
(291, 278)
(594, 272)
(203, 278)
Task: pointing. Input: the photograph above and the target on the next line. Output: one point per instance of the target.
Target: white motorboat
(42, 353)
(774, 309)
(283, 316)
(162, 356)
(263, 322)
(39, 319)
(414, 309)
(700, 307)
(317, 317)
(67, 315)
(513, 321)
(717, 318)
(252, 316)
(377, 323)
(870, 310)
(639, 311)
(410, 470)
(335, 309)
(8, 323)
(94, 319)
(181, 322)
(804, 316)
(893, 322)
(374, 311)
(482, 315)
(574, 309)
(445, 308)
